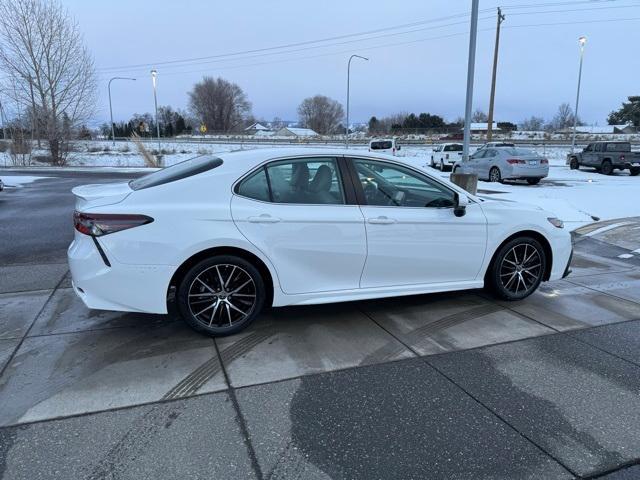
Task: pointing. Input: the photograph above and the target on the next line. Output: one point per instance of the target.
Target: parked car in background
(1, 185)
(389, 146)
(445, 156)
(273, 227)
(606, 157)
(496, 164)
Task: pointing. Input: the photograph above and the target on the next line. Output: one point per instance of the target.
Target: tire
(533, 181)
(606, 168)
(442, 166)
(456, 169)
(573, 164)
(633, 171)
(494, 175)
(208, 286)
(500, 278)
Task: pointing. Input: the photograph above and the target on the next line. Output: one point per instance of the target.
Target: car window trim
(266, 163)
(362, 201)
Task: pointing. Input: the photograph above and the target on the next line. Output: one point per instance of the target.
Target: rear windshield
(181, 170)
(453, 148)
(386, 145)
(618, 147)
(519, 152)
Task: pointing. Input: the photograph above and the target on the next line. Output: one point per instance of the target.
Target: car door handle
(382, 220)
(264, 218)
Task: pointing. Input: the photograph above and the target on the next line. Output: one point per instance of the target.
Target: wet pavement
(455, 385)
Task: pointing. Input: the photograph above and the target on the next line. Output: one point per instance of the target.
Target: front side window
(390, 185)
(589, 148)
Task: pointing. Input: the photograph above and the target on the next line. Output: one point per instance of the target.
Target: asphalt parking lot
(434, 386)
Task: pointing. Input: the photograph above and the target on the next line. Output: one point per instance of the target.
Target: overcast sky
(425, 71)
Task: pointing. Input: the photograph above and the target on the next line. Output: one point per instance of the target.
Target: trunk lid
(97, 195)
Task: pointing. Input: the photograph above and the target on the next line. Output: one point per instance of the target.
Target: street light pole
(154, 74)
(346, 128)
(473, 33)
(582, 40)
(113, 135)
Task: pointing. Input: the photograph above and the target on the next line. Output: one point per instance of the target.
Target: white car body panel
(316, 248)
(314, 254)
(411, 249)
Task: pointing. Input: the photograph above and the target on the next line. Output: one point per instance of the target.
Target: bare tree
(532, 123)
(479, 117)
(563, 119)
(321, 114)
(43, 52)
(219, 104)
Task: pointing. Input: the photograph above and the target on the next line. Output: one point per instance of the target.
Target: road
(435, 386)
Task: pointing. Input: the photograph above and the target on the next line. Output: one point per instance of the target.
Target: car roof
(245, 160)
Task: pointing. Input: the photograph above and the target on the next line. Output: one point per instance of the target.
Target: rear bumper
(522, 172)
(128, 288)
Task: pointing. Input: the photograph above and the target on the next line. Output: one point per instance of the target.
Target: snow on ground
(19, 180)
(574, 196)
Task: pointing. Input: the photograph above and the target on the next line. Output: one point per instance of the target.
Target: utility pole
(346, 128)
(501, 18)
(473, 33)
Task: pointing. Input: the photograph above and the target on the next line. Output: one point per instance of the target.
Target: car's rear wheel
(573, 164)
(606, 167)
(633, 171)
(517, 269)
(533, 181)
(494, 175)
(221, 295)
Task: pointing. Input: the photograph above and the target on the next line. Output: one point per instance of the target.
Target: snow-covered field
(574, 196)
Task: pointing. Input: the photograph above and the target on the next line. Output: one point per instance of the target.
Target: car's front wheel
(221, 295)
(573, 164)
(517, 268)
(606, 168)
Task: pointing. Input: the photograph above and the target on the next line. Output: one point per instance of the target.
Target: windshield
(181, 170)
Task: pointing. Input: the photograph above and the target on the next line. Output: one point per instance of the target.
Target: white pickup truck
(445, 155)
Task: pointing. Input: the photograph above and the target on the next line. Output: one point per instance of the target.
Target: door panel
(314, 247)
(410, 243)
(420, 246)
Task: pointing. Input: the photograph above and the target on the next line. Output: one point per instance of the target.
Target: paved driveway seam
(26, 333)
(242, 423)
(424, 358)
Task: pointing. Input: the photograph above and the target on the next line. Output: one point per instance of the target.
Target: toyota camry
(233, 233)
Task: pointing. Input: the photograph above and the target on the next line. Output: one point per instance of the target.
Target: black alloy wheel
(221, 295)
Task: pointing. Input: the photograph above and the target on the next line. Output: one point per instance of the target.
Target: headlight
(556, 222)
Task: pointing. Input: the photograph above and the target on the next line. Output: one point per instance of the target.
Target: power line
(296, 44)
(386, 45)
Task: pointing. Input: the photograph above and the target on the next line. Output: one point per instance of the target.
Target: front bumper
(128, 288)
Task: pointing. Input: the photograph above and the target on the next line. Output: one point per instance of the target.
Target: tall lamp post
(582, 40)
(113, 135)
(154, 75)
(346, 128)
(471, 63)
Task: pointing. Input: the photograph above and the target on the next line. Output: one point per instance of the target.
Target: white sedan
(279, 227)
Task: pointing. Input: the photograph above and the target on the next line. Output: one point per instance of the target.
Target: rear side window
(618, 147)
(181, 170)
(381, 145)
(255, 186)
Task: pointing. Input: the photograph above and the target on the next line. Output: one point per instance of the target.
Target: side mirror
(460, 205)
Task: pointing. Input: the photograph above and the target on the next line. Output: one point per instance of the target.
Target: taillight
(544, 161)
(98, 224)
(622, 158)
(513, 161)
